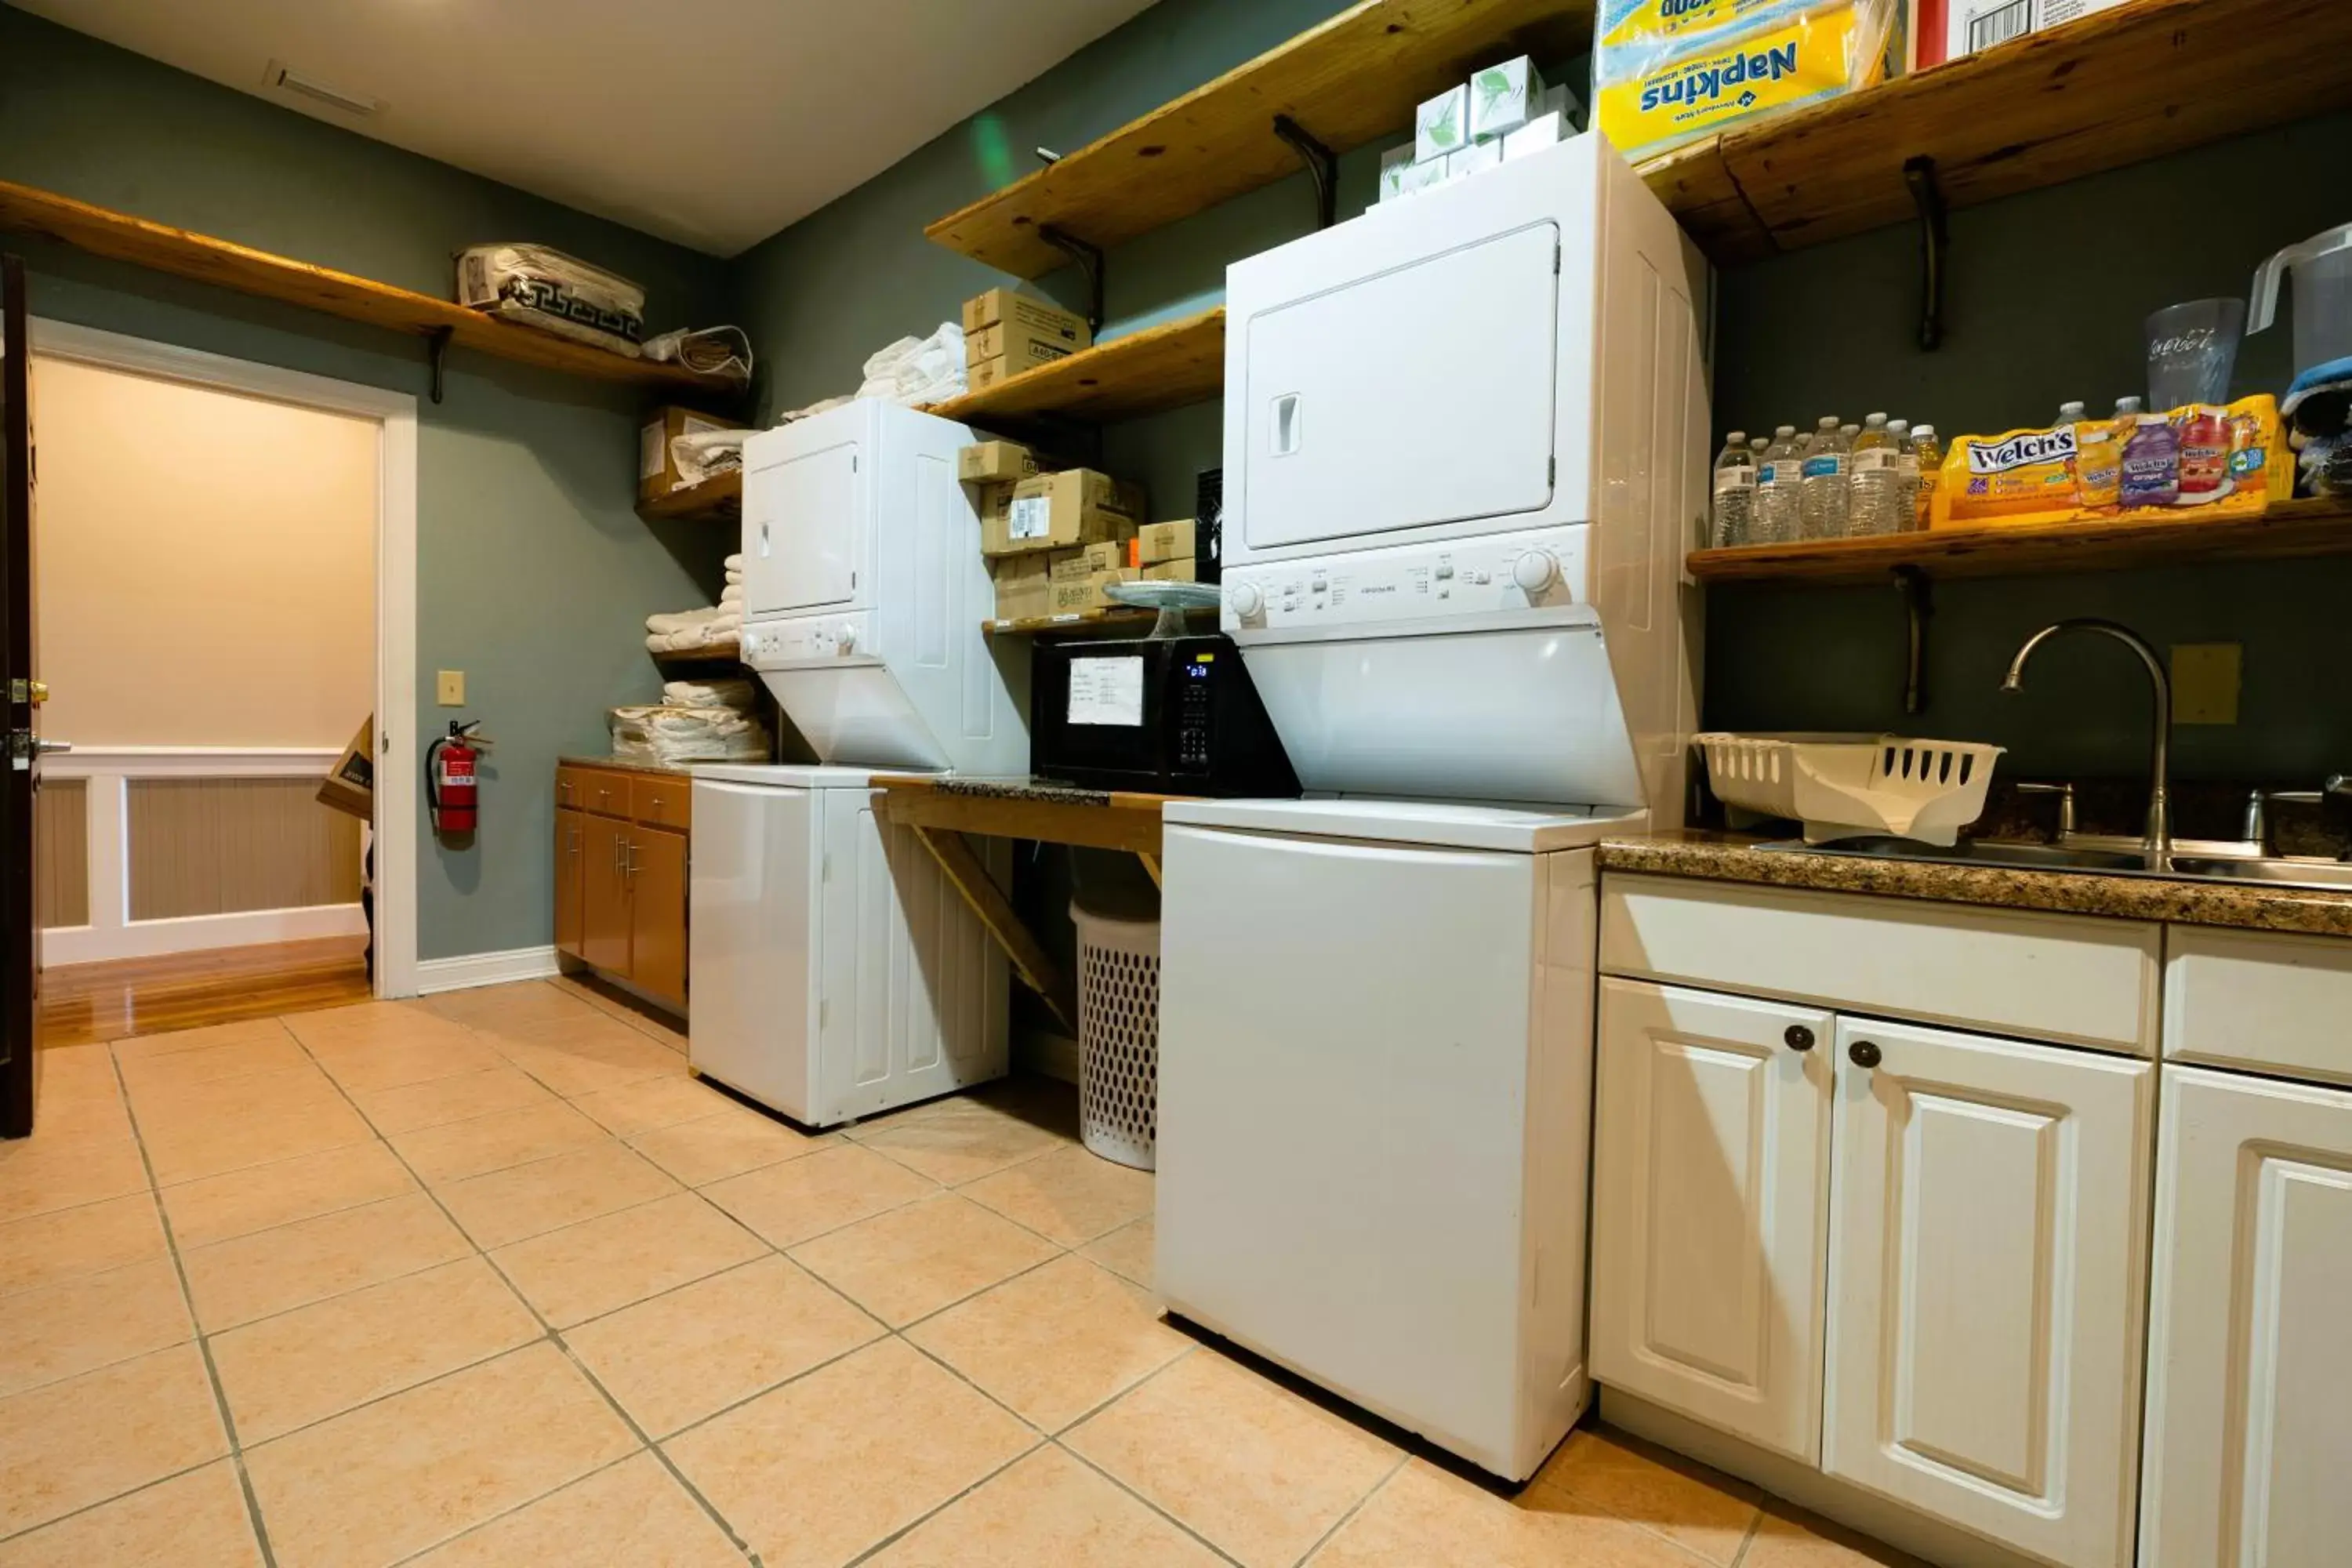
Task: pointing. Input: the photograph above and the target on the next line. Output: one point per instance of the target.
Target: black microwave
(1158, 715)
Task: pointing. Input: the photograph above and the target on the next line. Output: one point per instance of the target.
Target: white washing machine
(1465, 451)
(834, 971)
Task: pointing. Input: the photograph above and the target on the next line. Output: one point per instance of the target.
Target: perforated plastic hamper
(1118, 1033)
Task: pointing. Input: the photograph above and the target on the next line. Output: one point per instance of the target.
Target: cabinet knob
(1800, 1037)
(1864, 1054)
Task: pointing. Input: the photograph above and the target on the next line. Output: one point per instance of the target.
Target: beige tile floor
(490, 1280)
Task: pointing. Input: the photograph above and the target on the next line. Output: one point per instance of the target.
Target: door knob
(37, 692)
(1800, 1037)
(52, 747)
(1864, 1054)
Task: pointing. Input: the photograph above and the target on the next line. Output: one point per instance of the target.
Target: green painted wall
(534, 570)
(2047, 295)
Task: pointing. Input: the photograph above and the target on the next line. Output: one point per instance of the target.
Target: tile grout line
(1320, 1541)
(195, 1324)
(553, 1336)
(1060, 1441)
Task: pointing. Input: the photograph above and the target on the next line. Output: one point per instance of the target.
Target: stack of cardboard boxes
(1505, 111)
(1054, 541)
(1005, 332)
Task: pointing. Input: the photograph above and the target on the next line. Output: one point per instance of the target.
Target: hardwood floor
(87, 1002)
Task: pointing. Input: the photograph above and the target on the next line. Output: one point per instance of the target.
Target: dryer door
(1418, 394)
(804, 521)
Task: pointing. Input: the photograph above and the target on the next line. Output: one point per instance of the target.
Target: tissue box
(1427, 177)
(1056, 511)
(1395, 163)
(1473, 159)
(1544, 131)
(1504, 98)
(1442, 124)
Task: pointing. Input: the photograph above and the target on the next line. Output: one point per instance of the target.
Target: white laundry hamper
(1118, 1031)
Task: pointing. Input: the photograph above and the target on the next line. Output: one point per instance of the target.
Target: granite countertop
(1735, 857)
(630, 765)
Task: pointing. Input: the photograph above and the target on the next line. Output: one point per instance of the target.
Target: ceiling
(710, 122)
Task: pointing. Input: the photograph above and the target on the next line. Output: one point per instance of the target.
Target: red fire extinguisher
(451, 791)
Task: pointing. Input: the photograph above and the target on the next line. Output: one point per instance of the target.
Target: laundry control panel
(806, 640)
(1541, 570)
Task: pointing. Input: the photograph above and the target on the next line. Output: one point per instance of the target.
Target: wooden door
(1988, 1271)
(657, 872)
(2250, 1342)
(571, 882)
(605, 894)
(1710, 1205)
(20, 698)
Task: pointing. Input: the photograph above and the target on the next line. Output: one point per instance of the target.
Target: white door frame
(395, 413)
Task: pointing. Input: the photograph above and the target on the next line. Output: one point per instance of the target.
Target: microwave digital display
(1106, 692)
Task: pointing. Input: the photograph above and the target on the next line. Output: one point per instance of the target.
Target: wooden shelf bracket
(1089, 258)
(1321, 163)
(437, 355)
(1927, 196)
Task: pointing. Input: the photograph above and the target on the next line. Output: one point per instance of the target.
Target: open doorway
(226, 590)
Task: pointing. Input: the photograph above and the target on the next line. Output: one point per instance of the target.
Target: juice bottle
(2151, 457)
(2098, 463)
(1930, 447)
(2204, 433)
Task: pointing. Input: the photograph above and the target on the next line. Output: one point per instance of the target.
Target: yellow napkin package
(1670, 72)
(2200, 461)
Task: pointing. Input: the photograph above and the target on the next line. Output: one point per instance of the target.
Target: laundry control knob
(1246, 599)
(848, 638)
(1535, 570)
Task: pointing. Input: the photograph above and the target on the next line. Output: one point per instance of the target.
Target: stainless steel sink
(2274, 873)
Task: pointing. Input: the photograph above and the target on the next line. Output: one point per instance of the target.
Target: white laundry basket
(1118, 1032)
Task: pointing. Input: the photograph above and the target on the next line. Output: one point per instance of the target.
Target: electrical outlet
(2205, 680)
(451, 689)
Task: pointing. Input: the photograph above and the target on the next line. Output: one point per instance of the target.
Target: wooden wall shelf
(2292, 528)
(177, 251)
(1143, 372)
(1353, 78)
(2136, 82)
(683, 658)
(718, 499)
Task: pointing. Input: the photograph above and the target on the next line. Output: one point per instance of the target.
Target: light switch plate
(2205, 680)
(449, 686)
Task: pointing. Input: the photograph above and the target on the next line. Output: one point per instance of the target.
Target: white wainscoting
(464, 972)
(111, 934)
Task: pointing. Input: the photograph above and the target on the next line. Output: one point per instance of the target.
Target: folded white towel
(739, 695)
(733, 563)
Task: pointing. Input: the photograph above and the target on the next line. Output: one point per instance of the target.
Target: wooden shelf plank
(728, 653)
(2290, 529)
(2136, 82)
(1076, 623)
(718, 499)
(1143, 372)
(183, 254)
(1353, 78)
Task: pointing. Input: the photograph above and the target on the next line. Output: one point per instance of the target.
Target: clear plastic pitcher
(2192, 350)
(2323, 297)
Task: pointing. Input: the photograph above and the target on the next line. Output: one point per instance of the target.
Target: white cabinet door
(1710, 1208)
(1988, 1271)
(2250, 1352)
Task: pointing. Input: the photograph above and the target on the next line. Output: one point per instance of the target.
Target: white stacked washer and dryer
(1466, 450)
(834, 973)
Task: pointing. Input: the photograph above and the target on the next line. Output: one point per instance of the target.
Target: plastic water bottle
(1876, 482)
(1825, 504)
(1734, 492)
(1780, 476)
(1930, 448)
(1906, 474)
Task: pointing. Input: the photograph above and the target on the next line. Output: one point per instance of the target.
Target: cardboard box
(1022, 343)
(656, 470)
(994, 505)
(1040, 318)
(1157, 542)
(988, 373)
(1022, 587)
(1973, 24)
(1106, 555)
(1087, 593)
(1184, 571)
(1504, 97)
(995, 463)
(350, 785)
(1058, 511)
(1442, 124)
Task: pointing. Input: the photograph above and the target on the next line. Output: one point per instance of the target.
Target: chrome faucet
(2156, 843)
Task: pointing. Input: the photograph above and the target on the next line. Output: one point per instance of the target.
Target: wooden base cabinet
(2250, 1366)
(621, 873)
(1988, 1263)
